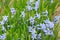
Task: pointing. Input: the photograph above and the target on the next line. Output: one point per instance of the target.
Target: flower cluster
(28, 22)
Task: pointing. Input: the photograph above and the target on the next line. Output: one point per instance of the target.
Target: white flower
(5, 18)
(23, 14)
(13, 11)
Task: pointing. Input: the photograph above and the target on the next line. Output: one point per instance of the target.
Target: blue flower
(3, 36)
(37, 16)
(48, 32)
(29, 29)
(3, 28)
(23, 14)
(33, 31)
(36, 5)
(31, 20)
(2, 22)
(34, 36)
(13, 11)
(39, 36)
(56, 19)
(43, 26)
(47, 21)
(51, 24)
(29, 7)
(5, 18)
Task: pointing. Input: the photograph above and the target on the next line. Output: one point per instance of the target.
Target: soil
(58, 14)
